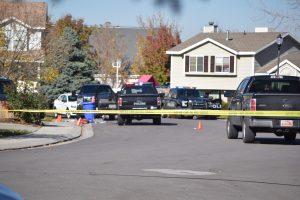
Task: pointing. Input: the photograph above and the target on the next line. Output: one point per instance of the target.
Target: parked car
(66, 101)
(185, 98)
(136, 96)
(102, 95)
(265, 93)
(4, 82)
(212, 103)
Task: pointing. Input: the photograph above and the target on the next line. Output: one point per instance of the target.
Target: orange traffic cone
(59, 119)
(78, 121)
(199, 127)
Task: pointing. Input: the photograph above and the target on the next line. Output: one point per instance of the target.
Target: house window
(222, 64)
(16, 37)
(196, 64)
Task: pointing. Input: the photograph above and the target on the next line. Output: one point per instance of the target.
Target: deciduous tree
(151, 57)
(108, 46)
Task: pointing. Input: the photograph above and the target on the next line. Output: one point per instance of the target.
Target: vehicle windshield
(137, 89)
(101, 89)
(193, 93)
(276, 86)
(72, 98)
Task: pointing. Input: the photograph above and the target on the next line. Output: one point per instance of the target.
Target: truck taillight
(120, 101)
(158, 102)
(253, 104)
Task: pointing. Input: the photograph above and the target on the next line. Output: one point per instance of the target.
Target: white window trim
(209, 73)
(193, 55)
(215, 67)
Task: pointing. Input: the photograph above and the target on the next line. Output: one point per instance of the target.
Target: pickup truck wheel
(111, 117)
(232, 132)
(157, 121)
(120, 120)
(248, 133)
(128, 121)
(290, 137)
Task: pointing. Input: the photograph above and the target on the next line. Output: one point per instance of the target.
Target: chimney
(210, 28)
(263, 29)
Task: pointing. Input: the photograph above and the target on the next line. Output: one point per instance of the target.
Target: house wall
(21, 36)
(287, 69)
(178, 76)
(35, 40)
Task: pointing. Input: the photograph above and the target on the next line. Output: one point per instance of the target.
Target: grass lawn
(10, 132)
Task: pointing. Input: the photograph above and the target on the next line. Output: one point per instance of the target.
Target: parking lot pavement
(49, 134)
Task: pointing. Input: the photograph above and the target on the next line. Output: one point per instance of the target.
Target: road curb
(45, 144)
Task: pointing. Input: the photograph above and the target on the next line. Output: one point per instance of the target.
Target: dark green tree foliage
(26, 98)
(78, 70)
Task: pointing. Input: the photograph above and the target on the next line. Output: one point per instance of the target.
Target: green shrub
(225, 105)
(26, 98)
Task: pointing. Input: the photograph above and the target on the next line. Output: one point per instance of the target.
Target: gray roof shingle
(239, 41)
(293, 57)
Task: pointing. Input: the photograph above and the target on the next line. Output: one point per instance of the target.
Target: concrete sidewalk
(50, 133)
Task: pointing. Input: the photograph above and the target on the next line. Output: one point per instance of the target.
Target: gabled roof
(126, 35)
(239, 43)
(293, 58)
(31, 14)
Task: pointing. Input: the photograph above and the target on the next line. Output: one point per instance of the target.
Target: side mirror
(229, 93)
(161, 95)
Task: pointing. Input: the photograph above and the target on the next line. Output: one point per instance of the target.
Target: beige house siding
(287, 69)
(243, 68)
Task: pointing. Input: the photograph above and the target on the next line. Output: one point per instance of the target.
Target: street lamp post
(117, 64)
(279, 41)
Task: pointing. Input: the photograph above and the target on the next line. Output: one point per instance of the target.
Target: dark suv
(184, 98)
(103, 96)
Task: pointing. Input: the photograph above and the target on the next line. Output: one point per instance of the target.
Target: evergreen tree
(78, 70)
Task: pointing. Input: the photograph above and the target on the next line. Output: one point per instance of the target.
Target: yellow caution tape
(172, 112)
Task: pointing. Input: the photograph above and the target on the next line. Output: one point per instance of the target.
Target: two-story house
(215, 60)
(23, 25)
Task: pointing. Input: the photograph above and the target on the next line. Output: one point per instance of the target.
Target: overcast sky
(233, 15)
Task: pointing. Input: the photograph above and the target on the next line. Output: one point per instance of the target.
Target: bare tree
(286, 19)
(107, 47)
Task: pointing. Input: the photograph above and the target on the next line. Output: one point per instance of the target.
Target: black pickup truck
(101, 95)
(270, 93)
(138, 96)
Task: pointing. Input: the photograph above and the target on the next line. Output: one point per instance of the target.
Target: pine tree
(78, 70)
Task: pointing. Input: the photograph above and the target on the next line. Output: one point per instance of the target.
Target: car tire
(55, 114)
(120, 120)
(111, 117)
(248, 133)
(290, 137)
(232, 131)
(157, 121)
(128, 121)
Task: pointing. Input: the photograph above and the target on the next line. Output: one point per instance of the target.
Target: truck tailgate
(141, 101)
(265, 101)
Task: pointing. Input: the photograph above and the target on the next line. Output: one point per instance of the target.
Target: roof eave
(22, 23)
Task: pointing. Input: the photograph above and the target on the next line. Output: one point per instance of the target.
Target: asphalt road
(144, 161)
